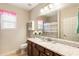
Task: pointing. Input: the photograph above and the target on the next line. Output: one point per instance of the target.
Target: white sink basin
(46, 40)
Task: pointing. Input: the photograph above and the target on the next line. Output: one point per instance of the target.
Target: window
(40, 24)
(8, 20)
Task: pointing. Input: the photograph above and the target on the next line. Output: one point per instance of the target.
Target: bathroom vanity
(38, 47)
(38, 50)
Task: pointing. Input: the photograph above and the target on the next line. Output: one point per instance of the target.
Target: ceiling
(26, 6)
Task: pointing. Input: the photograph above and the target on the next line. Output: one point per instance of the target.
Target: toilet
(23, 48)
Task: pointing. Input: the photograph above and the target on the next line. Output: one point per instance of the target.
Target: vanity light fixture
(51, 7)
(46, 8)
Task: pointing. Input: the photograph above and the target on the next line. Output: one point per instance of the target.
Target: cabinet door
(40, 48)
(34, 50)
(48, 52)
(29, 48)
(42, 54)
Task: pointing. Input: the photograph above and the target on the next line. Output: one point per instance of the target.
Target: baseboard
(11, 53)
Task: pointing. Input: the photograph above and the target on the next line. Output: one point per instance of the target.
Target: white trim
(9, 53)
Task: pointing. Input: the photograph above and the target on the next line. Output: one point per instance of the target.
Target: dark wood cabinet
(40, 48)
(48, 52)
(56, 54)
(37, 50)
(29, 48)
(42, 54)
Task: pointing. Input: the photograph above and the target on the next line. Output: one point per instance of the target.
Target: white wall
(10, 40)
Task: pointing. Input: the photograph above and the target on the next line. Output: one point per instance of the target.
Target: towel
(78, 24)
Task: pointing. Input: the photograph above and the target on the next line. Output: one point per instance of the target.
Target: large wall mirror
(50, 27)
(62, 23)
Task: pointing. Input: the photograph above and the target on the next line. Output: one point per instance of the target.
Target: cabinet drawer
(38, 47)
(48, 52)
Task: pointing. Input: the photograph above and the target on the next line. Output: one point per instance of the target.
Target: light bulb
(46, 8)
(41, 10)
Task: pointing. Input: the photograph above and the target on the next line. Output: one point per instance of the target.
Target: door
(69, 27)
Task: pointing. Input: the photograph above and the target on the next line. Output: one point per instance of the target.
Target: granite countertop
(57, 47)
